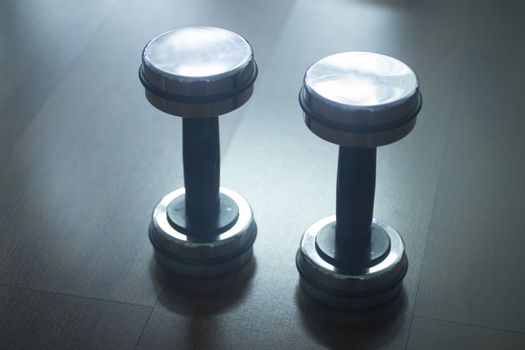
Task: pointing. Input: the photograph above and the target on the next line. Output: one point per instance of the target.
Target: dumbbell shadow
(195, 297)
(344, 329)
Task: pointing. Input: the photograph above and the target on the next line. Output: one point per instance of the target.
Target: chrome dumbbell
(358, 100)
(199, 73)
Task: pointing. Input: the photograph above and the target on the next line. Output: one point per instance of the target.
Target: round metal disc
(197, 53)
(198, 71)
(359, 80)
(199, 256)
(203, 226)
(347, 257)
(337, 287)
(360, 99)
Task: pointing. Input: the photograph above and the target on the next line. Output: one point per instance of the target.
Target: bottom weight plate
(208, 256)
(370, 287)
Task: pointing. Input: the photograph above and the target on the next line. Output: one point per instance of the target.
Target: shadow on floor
(196, 297)
(338, 329)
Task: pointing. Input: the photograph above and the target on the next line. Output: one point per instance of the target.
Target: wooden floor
(84, 159)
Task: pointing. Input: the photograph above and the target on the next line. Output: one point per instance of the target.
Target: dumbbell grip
(201, 157)
(356, 177)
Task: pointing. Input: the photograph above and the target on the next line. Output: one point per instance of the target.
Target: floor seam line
(147, 322)
(472, 325)
(73, 295)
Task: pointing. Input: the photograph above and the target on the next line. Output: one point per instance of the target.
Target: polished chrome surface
(358, 139)
(360, 99)
(195, 53)
(343, 302)
(198, 61)
(198, 71)
(200, 110)
(330, 285)
(186, 255)
(361, 80)
(204, 270)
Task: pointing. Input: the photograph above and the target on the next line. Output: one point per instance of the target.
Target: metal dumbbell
(199, 73)
(358, 100)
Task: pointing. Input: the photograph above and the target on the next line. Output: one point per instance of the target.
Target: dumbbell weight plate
(336, 287)
(198, 71)
(360, 99)
(192, 256)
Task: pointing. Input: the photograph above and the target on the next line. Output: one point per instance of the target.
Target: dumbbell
(359, 101)
(199, 73)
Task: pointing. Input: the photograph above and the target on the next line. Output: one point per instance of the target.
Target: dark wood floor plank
(288, 175)
(37, 320)
(474, 270)
(436, 335)
(39, 42)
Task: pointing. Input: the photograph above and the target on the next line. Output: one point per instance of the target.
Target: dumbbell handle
(356, 178)
(202, 159)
